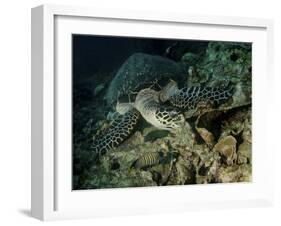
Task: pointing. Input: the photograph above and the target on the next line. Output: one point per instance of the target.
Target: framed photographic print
(137, 112)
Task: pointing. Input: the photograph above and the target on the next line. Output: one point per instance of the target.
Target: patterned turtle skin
(169, 117)
(162, 117)
(153, 107)
(119, 130)
(188, 98)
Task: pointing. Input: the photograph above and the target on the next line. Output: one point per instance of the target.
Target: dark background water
(92, 54)
(95, 56)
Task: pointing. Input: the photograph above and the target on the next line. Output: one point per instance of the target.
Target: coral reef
(212, 146)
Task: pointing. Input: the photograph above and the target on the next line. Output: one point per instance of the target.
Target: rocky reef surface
(213, 146)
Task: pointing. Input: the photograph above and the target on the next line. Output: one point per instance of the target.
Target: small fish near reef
(149, 160)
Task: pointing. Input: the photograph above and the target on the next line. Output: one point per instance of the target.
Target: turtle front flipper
(189, 98)
(119, 130)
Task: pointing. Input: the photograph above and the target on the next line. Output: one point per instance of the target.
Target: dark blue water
(98, 55)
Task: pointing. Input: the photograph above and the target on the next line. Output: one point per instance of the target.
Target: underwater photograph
(158, 112)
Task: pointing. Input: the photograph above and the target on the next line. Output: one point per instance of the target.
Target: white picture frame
(52, 197)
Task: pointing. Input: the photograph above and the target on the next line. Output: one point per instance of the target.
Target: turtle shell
(140, 71)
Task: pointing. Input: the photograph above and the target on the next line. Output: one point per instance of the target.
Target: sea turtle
(162, 109)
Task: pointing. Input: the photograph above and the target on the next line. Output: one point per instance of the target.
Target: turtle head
(167, 91)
